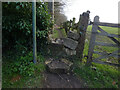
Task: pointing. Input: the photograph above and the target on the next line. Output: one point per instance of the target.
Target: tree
(59, 14)
(60, 18)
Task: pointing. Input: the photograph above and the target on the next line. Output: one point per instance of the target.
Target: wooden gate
(93, 42)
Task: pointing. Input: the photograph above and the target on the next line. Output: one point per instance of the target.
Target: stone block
(70, 52)
(58, 66)
(73, 35)
(69, 43)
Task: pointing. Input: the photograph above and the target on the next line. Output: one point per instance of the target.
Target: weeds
(17, 72)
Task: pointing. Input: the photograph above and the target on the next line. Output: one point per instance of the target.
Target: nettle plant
(23, 65)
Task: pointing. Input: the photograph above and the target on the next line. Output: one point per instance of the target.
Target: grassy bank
(98, 75)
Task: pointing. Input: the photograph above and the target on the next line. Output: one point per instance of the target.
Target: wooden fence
(95, 27)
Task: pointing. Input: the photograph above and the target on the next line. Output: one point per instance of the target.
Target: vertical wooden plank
(73, 23)
(78, 30)
(83, 23)
(68, 26)
(92, 40)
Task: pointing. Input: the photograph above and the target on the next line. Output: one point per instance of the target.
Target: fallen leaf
(113, 83)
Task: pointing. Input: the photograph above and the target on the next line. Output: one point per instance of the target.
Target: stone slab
(73, 35)
(69, 43)
(70, 52)
(58, 66)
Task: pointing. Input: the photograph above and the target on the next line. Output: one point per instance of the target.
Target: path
(52, 80)
(59, 31)
(62, 81)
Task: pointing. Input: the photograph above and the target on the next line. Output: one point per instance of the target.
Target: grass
(23, 82)
(107, 29)
(63, 32)
(56, 33)
(11, 79)
(104, 76)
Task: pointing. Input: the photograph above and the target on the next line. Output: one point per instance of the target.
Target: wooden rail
(106, 44)
(106, 24)
(106, 63)
(114, 54)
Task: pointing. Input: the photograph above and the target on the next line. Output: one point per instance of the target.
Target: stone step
(58, 66)
(73, 35)
(70, 43)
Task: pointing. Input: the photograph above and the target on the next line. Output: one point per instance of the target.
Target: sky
(107, 10)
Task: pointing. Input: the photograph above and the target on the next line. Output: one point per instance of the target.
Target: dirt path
(62, 81)
(59, 33)
(52, 80)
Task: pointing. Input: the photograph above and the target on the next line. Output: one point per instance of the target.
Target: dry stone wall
(70, 43)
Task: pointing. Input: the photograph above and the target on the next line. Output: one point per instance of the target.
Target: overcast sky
(107, 10)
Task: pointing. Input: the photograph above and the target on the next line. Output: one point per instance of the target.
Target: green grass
(107, 29)
(105, 76)
(110, 29)
(9, 77)
(56, 34)
(24, 82)
(63, 32)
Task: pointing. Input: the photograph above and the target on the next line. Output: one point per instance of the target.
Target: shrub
(17, 24)
(24, 66)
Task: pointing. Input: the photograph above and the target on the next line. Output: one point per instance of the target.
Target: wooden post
(92, 40)
(83, 23)
(70, 25)
(73, 24)
(67, 26)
